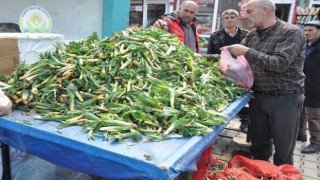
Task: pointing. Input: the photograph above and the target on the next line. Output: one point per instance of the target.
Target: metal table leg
(6, 167)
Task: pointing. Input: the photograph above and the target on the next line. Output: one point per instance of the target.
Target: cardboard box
(9, 55)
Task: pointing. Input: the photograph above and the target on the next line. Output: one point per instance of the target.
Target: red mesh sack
(203, 165)
(289, 172)
(232, 173)
(264, 169)
(257, 168)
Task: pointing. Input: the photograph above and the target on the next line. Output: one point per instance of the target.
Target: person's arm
(210, 49)
(211, 57)
(162, 24)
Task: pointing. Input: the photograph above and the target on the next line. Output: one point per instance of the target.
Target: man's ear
(265, 10)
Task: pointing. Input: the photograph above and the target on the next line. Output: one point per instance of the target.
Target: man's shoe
(311, 148)
(243, 127)
(302, 138)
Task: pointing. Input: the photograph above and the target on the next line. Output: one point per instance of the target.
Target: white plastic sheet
(31, 45)
(70, 148)
(5, 103)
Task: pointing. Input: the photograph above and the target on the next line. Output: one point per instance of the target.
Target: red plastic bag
(237, 69)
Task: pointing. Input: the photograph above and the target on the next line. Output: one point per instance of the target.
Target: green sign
(35, 19)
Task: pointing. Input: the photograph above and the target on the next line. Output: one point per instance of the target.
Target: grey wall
(75, 19)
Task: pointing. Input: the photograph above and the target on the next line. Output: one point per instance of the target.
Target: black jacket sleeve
(211, 47)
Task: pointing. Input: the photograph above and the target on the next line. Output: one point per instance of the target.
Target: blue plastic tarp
(70, 148)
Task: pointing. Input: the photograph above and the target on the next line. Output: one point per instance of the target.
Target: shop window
(136, 13)
(304, 15)
(205, 16)
(154, 12)
(205, 20)
(282, 11)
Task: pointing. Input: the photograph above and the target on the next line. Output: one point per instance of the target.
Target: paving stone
(300, 145)
(233, 125)
(310, 165)
(225, 157)
(297, 158)
(310, 157)
(241, 134)
(222, 145)
(310, 173)
(218, 150)
(308, 178)
(226, 140)
(297, 152)
(229, 133)
(227, 151)
(298, 165)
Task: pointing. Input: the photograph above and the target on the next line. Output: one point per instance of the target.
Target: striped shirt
(189, 37)
(276, 57)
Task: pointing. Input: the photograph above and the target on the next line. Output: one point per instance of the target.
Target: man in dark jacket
(311, 31)
(230, 34)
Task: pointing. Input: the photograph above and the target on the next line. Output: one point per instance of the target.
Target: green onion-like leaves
(139, 81)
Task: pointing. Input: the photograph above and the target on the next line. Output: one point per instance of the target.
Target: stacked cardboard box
(9, 55)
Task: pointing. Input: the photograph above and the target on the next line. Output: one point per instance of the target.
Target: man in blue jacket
(312, 84)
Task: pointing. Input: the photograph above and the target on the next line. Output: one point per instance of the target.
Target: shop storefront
(144, 12)
(305, 11)
(314, 3)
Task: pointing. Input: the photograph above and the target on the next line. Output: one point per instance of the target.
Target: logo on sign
(35, 19)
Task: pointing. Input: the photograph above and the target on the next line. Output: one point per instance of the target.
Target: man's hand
(161, 24)
(237, 49)
(197, 55)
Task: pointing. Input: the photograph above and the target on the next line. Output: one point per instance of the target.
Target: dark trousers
(313, 117)
(274, 120)
(244, 115)
(303, 124)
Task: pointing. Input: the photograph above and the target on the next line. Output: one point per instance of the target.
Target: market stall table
(70, 148)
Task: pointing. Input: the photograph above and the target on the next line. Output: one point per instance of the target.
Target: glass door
(154, 9)
(136, 13)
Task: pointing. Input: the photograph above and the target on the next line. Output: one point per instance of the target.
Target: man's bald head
(187, 11)
(186, 2)
(260, 13)
(264, 3)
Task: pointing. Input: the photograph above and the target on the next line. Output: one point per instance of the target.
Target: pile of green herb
(139, 81)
